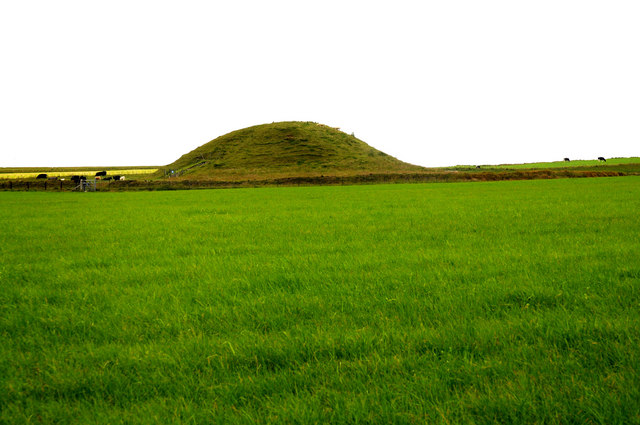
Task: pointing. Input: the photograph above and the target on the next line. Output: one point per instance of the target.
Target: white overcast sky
(433, 83)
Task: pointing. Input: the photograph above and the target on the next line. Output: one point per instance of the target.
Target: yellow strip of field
(78, 173)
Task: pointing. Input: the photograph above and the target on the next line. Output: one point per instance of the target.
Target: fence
(58, 185)
(179, 184)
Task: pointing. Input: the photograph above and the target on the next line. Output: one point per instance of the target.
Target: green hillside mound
(284, 149)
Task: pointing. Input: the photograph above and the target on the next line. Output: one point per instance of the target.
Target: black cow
(101, 173)
(77, 179)
(477, 167)
(116, 177)
(567, 160)
(41, 176)
(601, 159)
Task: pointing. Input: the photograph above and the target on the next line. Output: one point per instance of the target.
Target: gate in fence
(86, 186)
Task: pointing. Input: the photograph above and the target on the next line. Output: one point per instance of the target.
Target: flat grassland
(63, 172)
(629, 164)
(503, 302)
(575, 163)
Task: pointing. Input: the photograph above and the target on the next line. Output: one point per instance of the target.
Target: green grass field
(507, 302)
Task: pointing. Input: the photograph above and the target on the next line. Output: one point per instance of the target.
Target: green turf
(508, 302)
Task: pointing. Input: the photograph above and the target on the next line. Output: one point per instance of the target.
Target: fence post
(45, 185)
(10, 185)
(27, 186)
(60, 185)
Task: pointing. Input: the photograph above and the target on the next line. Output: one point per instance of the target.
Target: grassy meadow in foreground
(507, 302)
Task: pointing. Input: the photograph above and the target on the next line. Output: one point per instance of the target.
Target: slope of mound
(285, 148)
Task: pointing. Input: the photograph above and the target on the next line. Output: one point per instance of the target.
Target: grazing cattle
(52, 178)
(108, 178)
(477, 167)
(567, 160)
(78, 179)
(41, 176)
(601, 159)
(101, 173)
(118, 178)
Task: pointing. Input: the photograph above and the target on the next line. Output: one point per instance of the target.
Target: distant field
(495, 302)
(562, 164)
(66, 173)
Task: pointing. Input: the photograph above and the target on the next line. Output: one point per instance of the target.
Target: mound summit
(285, 149)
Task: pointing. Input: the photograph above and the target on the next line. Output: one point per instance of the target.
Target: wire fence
(58, 185)
(181, 184)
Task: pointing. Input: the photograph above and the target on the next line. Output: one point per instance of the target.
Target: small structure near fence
(86, 186)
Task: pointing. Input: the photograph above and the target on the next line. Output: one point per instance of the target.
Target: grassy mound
(285, 149)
